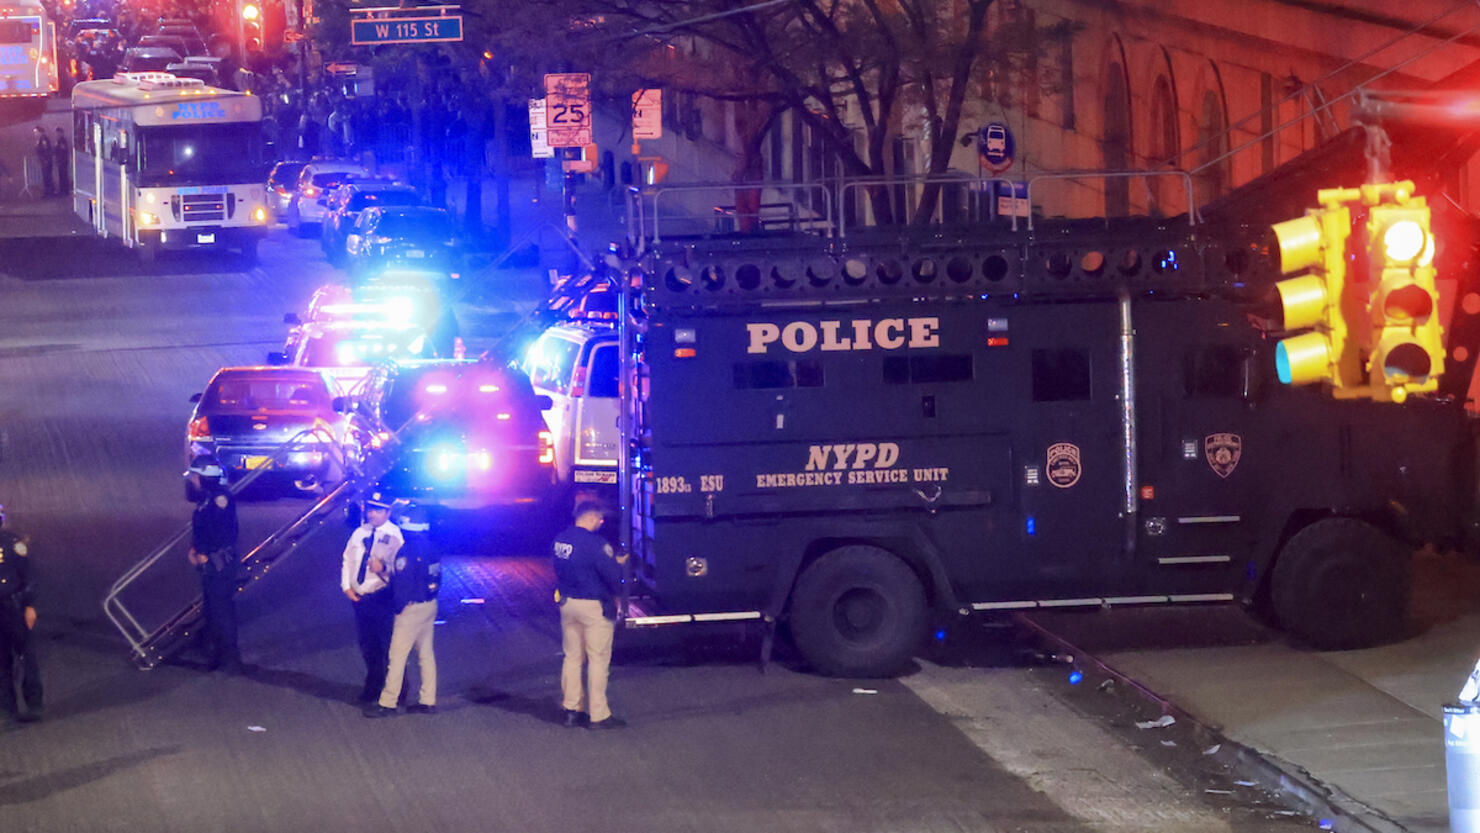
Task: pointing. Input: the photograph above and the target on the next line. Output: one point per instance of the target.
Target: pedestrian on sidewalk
(62, 150)
(587, 580)
(44, 159)
(368, 564)
(414, 586)
(213, 533)
(17, 629)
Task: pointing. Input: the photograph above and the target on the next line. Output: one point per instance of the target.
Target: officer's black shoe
(574, 719)
(378, 710)
(368, 696)
(612, 722)
(32, 716)
(418, 708)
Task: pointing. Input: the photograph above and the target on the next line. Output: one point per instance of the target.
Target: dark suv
(347, 203)
(413, 237)
(474, 434)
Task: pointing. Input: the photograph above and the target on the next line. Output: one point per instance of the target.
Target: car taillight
(547, 448)
(200, 429)
(310, 191)
(578, 387)
(282, 192)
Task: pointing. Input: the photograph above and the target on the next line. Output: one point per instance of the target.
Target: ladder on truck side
(156, 640)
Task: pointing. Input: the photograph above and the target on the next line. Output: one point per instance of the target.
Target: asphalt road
(97, 361)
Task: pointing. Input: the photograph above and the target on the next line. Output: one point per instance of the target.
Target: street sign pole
(568, 125)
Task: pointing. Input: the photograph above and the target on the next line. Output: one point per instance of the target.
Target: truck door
(1195, 372)
(1068, 448)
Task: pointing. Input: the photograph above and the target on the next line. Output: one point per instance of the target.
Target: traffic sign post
(413, 24)
(647, 114)
(539, 143)
(568, 109)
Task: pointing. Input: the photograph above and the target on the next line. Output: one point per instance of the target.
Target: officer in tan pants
(587, 581)
(414, 586)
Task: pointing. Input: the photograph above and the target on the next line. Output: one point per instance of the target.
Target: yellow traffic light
(1408, 344)
(251, 12)
(1315, 242)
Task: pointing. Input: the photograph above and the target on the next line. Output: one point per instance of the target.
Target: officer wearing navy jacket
(414, 586)
(17, 619)
(369, 563)
(588, 579)
(213, 533)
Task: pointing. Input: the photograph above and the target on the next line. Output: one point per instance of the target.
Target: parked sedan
(346, 205)
(419, 238)
(246, 415)
(282, 184)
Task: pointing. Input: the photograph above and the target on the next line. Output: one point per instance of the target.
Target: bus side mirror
(544, 403)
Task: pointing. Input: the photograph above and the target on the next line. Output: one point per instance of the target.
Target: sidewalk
(1366, 725)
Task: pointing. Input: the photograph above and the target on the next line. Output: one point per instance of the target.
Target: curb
(1331, 807)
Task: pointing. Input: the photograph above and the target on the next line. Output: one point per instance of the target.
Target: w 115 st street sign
(412, 24)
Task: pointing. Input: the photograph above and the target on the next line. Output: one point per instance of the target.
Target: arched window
(1164, 145)
(1212, 139)
(1115, 143)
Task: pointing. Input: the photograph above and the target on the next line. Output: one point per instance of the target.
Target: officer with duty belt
(17, 621)
(414, 586)
(213, 533)
(368, 564)
(588, 580)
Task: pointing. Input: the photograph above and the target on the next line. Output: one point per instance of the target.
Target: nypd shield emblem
(1063, 465)
(1223, 452)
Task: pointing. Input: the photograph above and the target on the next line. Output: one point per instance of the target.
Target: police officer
(587, 581)
(44, 159)
(369, 562)
(414, 586)
(213, 532)
(61, 150)
(17, 619)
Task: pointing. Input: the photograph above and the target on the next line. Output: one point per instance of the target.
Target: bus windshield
(200, 154)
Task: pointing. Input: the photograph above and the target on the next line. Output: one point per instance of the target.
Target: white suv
(577, 365)
(317, 180)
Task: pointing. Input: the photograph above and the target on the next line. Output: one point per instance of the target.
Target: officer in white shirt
(369, 561)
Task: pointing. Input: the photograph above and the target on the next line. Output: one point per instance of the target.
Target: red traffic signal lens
(1410, 303)
(251, 12)
(1403, 241)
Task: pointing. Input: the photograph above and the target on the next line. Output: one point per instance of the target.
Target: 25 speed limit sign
(568, 109)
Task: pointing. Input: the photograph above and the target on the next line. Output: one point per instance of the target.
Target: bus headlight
(146, 218)
(259, 215)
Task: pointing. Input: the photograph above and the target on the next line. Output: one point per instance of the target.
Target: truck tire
(249, 253)
(1341, 583)
(148, 253)
(858, 611)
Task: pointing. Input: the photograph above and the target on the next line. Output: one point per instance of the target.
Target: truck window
(806, 373)
(1213, 372)
(904, 370)
(550, 363)
(1061, 375)
(603, 374)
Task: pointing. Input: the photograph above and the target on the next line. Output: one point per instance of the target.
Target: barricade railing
(637, 215)
(983, 187)
(150, 645)
(1144, 175)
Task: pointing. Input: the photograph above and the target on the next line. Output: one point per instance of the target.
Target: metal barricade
(152, 644)
(637, 211)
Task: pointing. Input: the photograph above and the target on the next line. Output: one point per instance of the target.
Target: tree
(818, 58)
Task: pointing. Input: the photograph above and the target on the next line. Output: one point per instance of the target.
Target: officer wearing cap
(17, 619)
(587, 581)
(213, 532)
(369, 562)
(414, 586)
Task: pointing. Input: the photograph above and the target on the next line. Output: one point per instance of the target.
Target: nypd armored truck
(859, 435)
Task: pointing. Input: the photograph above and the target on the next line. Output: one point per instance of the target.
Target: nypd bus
(161, 162)
(28, 51)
